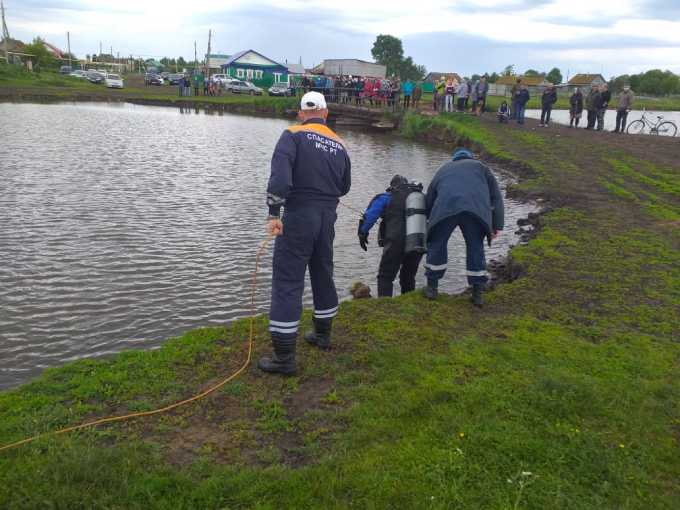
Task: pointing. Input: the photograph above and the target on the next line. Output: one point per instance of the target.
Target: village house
(586, 80)
(295, 73)
(254, 67)
(215, 61)
(504, 84)
(432, 78)
(350, 67)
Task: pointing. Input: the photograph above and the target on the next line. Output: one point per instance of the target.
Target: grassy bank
(16, 82)
(660, 104)
(563, 392)
(52, 86)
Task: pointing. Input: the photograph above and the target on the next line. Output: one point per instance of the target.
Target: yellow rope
(165, 409)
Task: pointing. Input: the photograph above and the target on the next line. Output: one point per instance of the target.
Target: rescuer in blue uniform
(463, 193)
(390, 207)
(310, 170)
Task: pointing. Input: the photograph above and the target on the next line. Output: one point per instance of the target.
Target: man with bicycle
(625, 105)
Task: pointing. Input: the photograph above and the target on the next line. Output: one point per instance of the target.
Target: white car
(220, 78)
(78, 73)
(113, 81)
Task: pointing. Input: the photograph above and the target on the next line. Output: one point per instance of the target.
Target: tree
(42, 57)
(531, 72)
(508, 70)
(388, 51)
(408, 70)
(554, 76)
(493, 77)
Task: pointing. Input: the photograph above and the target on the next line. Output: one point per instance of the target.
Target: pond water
(562, 117)
(126, 225)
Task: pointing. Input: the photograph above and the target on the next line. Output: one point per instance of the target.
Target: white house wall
(345, 67)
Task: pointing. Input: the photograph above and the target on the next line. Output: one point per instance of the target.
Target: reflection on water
(125, 225)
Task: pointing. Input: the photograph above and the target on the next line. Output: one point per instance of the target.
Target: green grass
(562, 393)
(660, 104)
(53, 85)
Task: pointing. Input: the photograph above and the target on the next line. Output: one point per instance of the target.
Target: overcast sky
(602, 36)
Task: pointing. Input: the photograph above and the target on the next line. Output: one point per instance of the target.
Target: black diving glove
(363, 237)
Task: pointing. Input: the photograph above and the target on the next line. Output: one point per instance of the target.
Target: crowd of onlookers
(595, 103)
(469, 95)
(393, 92)
(365, 91)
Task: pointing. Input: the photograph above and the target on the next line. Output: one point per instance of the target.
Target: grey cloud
(284, 33)
(39, 8)
(660, 9)
(468, 54)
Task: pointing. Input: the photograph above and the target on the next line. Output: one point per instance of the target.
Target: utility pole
(195, 57)
(68, 45)
(5, 31)
(207, 58)
(100, 49)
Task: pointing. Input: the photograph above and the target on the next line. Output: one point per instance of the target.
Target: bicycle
(660, 127)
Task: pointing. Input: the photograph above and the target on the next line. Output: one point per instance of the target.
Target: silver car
(243, 87)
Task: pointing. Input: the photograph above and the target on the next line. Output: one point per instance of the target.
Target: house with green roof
(252, 66)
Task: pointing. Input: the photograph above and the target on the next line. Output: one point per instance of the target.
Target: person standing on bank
(602, 104)
(575, 107)
(310, 170)
(592, 101)
(463, 193)
(625, 105)
(521, 100)
(548, 99)
(390, 207)
(514, 93)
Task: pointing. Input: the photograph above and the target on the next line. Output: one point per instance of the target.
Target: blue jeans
(513, 112)
(474, 233)
(520, 113)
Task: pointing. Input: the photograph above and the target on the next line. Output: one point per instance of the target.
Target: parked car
(220, 78)
(65, 70)
(243, 87)
(156, 80)
(113, 81)
(79, 73)
(175, 79)
(95, 77)
(280, 89)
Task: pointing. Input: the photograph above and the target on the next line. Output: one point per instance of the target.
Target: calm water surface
(122, 226)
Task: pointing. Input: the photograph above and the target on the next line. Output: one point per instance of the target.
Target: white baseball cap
(313, 101)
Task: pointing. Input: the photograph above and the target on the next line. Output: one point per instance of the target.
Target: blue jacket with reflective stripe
(310, 165)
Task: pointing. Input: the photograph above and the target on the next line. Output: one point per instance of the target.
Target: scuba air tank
(416, 220)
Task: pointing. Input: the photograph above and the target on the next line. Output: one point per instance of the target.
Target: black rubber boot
(431, 291)
(477, 289)
(282, 361)
(320, 335)
(385, 288)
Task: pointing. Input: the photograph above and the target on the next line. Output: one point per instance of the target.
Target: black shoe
(282, 361)
(431, 291)
(320, 335)
(477, 289)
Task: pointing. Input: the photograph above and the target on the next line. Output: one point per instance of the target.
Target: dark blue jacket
(549, 97)
(310, 166)
(522, 97)
(466, 185)
(375, 210)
